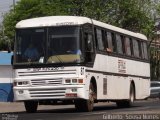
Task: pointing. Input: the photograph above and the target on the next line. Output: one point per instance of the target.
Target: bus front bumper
(50, 92)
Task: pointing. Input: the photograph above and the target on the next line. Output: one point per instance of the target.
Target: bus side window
(145, 50)
(136, 48)
(123, 44)
(99, 39)
(88, 38)
(140, 49)
(131, 45)
(128, 46)
(109, 42)
(105, 41)
(114, 42)
(119, 44)
(88, 42)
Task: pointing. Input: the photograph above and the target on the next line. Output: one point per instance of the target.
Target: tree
(128, 14)
(134, 15)
(25, 9)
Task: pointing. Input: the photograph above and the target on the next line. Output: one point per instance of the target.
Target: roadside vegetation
(135, 15)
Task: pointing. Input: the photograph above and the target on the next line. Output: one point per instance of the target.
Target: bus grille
(47, 93)
(42, 82)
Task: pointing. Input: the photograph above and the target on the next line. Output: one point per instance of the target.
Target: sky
(5, 6)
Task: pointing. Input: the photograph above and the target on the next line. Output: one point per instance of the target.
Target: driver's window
(88, 42)
(89, 49)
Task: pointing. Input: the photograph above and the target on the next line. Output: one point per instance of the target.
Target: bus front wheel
(87, 105)
(31, 106)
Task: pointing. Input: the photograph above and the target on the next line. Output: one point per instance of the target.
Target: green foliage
(134, 15)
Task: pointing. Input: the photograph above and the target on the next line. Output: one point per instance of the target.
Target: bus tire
(31, 106)
(86, 105)
(89, 104)
(120, 104)
(130, 102)
(78, 105)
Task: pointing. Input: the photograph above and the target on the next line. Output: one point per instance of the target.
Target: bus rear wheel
(87, 105)
(31, 106)
(130, 102)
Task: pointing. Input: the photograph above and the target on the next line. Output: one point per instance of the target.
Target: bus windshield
(48, 45)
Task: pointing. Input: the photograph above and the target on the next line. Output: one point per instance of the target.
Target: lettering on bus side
(121, 66)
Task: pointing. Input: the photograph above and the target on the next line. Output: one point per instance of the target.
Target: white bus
(110, 64)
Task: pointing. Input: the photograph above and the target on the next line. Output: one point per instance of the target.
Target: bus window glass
(145, 50)
(104, 39)
(140, 48)
(64, 45)
(128, 46)
(114, 43)
(99, 39)
(30, 45)
(143, 56)
(109, 38)
(135, 48)
(89, 47)
(88, 42)
(119, 44)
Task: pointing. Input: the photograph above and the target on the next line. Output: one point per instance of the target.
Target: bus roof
(71, 20)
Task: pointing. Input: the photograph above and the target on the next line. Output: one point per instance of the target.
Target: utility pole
(14, 5)
(2, 26)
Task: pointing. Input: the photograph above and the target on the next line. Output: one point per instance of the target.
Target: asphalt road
(143, 110)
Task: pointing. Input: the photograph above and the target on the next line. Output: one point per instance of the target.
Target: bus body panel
(119, 78)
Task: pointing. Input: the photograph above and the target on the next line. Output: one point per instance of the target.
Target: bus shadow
(96, 109)
(104, 108)
(113, 108)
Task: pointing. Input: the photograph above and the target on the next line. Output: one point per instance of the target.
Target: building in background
(6, 92)
(156, 42)
(155, 52)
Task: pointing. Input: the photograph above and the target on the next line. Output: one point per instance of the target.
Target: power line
(14, 4)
